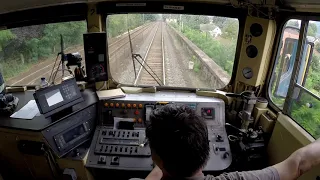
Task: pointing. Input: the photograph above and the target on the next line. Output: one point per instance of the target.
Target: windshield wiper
(136, 57)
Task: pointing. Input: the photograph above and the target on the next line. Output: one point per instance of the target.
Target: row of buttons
(123, 105)
(120, 149)
(121, 133)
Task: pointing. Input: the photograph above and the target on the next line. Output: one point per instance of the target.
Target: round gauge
(256, 30)
(97, 70)
(252, 51)
(247, 73)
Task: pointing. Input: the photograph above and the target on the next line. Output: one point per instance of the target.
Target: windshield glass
(28, 53)
(175, 50)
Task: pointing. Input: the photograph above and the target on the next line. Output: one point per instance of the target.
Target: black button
(222, 149)
(226, 155)
(102, 160)
(115, 160)
(219, 138)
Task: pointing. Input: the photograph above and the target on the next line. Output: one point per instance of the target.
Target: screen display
(101, 57)
(73, 133)
(54, 97)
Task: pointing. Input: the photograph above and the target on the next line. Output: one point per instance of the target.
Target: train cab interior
(79, 80)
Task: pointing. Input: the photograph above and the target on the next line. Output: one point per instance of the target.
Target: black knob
(226, 155)
(104, 133)
(318, 178)
(219, 138)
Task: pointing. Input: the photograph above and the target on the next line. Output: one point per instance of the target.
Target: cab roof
(18, 5)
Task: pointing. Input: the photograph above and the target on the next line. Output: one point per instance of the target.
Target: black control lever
(239, 130)
(244, 95)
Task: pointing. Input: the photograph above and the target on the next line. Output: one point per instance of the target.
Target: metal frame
(293, 82)
(282, 22)
(296, 67)
(307, 91)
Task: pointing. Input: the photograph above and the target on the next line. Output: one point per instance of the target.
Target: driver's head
(178, 140)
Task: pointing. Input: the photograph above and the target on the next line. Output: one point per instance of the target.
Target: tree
(219, 21)
(150, 17)
(194, 21)
(5, 37)
(230, 29)
(293, 23)
(312, 30)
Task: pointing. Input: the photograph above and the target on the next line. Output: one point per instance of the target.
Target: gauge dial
(247, 73)
(97, 70)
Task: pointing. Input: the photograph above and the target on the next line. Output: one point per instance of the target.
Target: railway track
(120, 43)
(154, 71)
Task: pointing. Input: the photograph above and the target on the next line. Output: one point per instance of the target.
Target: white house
(216, 32)
(212, 29)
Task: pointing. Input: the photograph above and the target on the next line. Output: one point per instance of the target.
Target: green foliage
(317, 47)
(308, 117)
(312, 30)
(193, 21)
(26, 46)
(5, 37)
(294, 23)
(120, 23)
(44, 46)
(231, 29)
(222, 54)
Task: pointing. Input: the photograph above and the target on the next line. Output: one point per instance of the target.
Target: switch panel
(125, 145)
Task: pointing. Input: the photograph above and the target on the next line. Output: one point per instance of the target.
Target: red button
(208, 111)
(136, 112)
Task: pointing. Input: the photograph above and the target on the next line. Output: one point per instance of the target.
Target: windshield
(175, 50)
(28, 53)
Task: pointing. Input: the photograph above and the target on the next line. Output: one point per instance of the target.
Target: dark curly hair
(180, 138)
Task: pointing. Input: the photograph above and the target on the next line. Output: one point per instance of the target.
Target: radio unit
(56, 98)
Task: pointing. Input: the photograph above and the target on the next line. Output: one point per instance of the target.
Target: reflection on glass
(169, 46)
(286, 57)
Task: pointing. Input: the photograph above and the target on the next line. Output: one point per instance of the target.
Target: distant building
(212, 29)
(216, 32)
(171, 20)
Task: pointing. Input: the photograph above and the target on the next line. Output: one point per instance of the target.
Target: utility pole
(127, 21)
(180, 23)
(143, 18)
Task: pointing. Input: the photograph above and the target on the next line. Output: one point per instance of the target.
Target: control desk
(120, 142)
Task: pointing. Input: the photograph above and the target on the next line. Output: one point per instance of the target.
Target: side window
(302, 104)
(285, 61)
(28, 53)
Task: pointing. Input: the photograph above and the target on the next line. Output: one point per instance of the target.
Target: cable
(106, 84)
(53, 67)
(103, 86)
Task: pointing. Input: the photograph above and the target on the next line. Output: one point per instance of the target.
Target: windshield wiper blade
(136, 58)
(132, 55)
